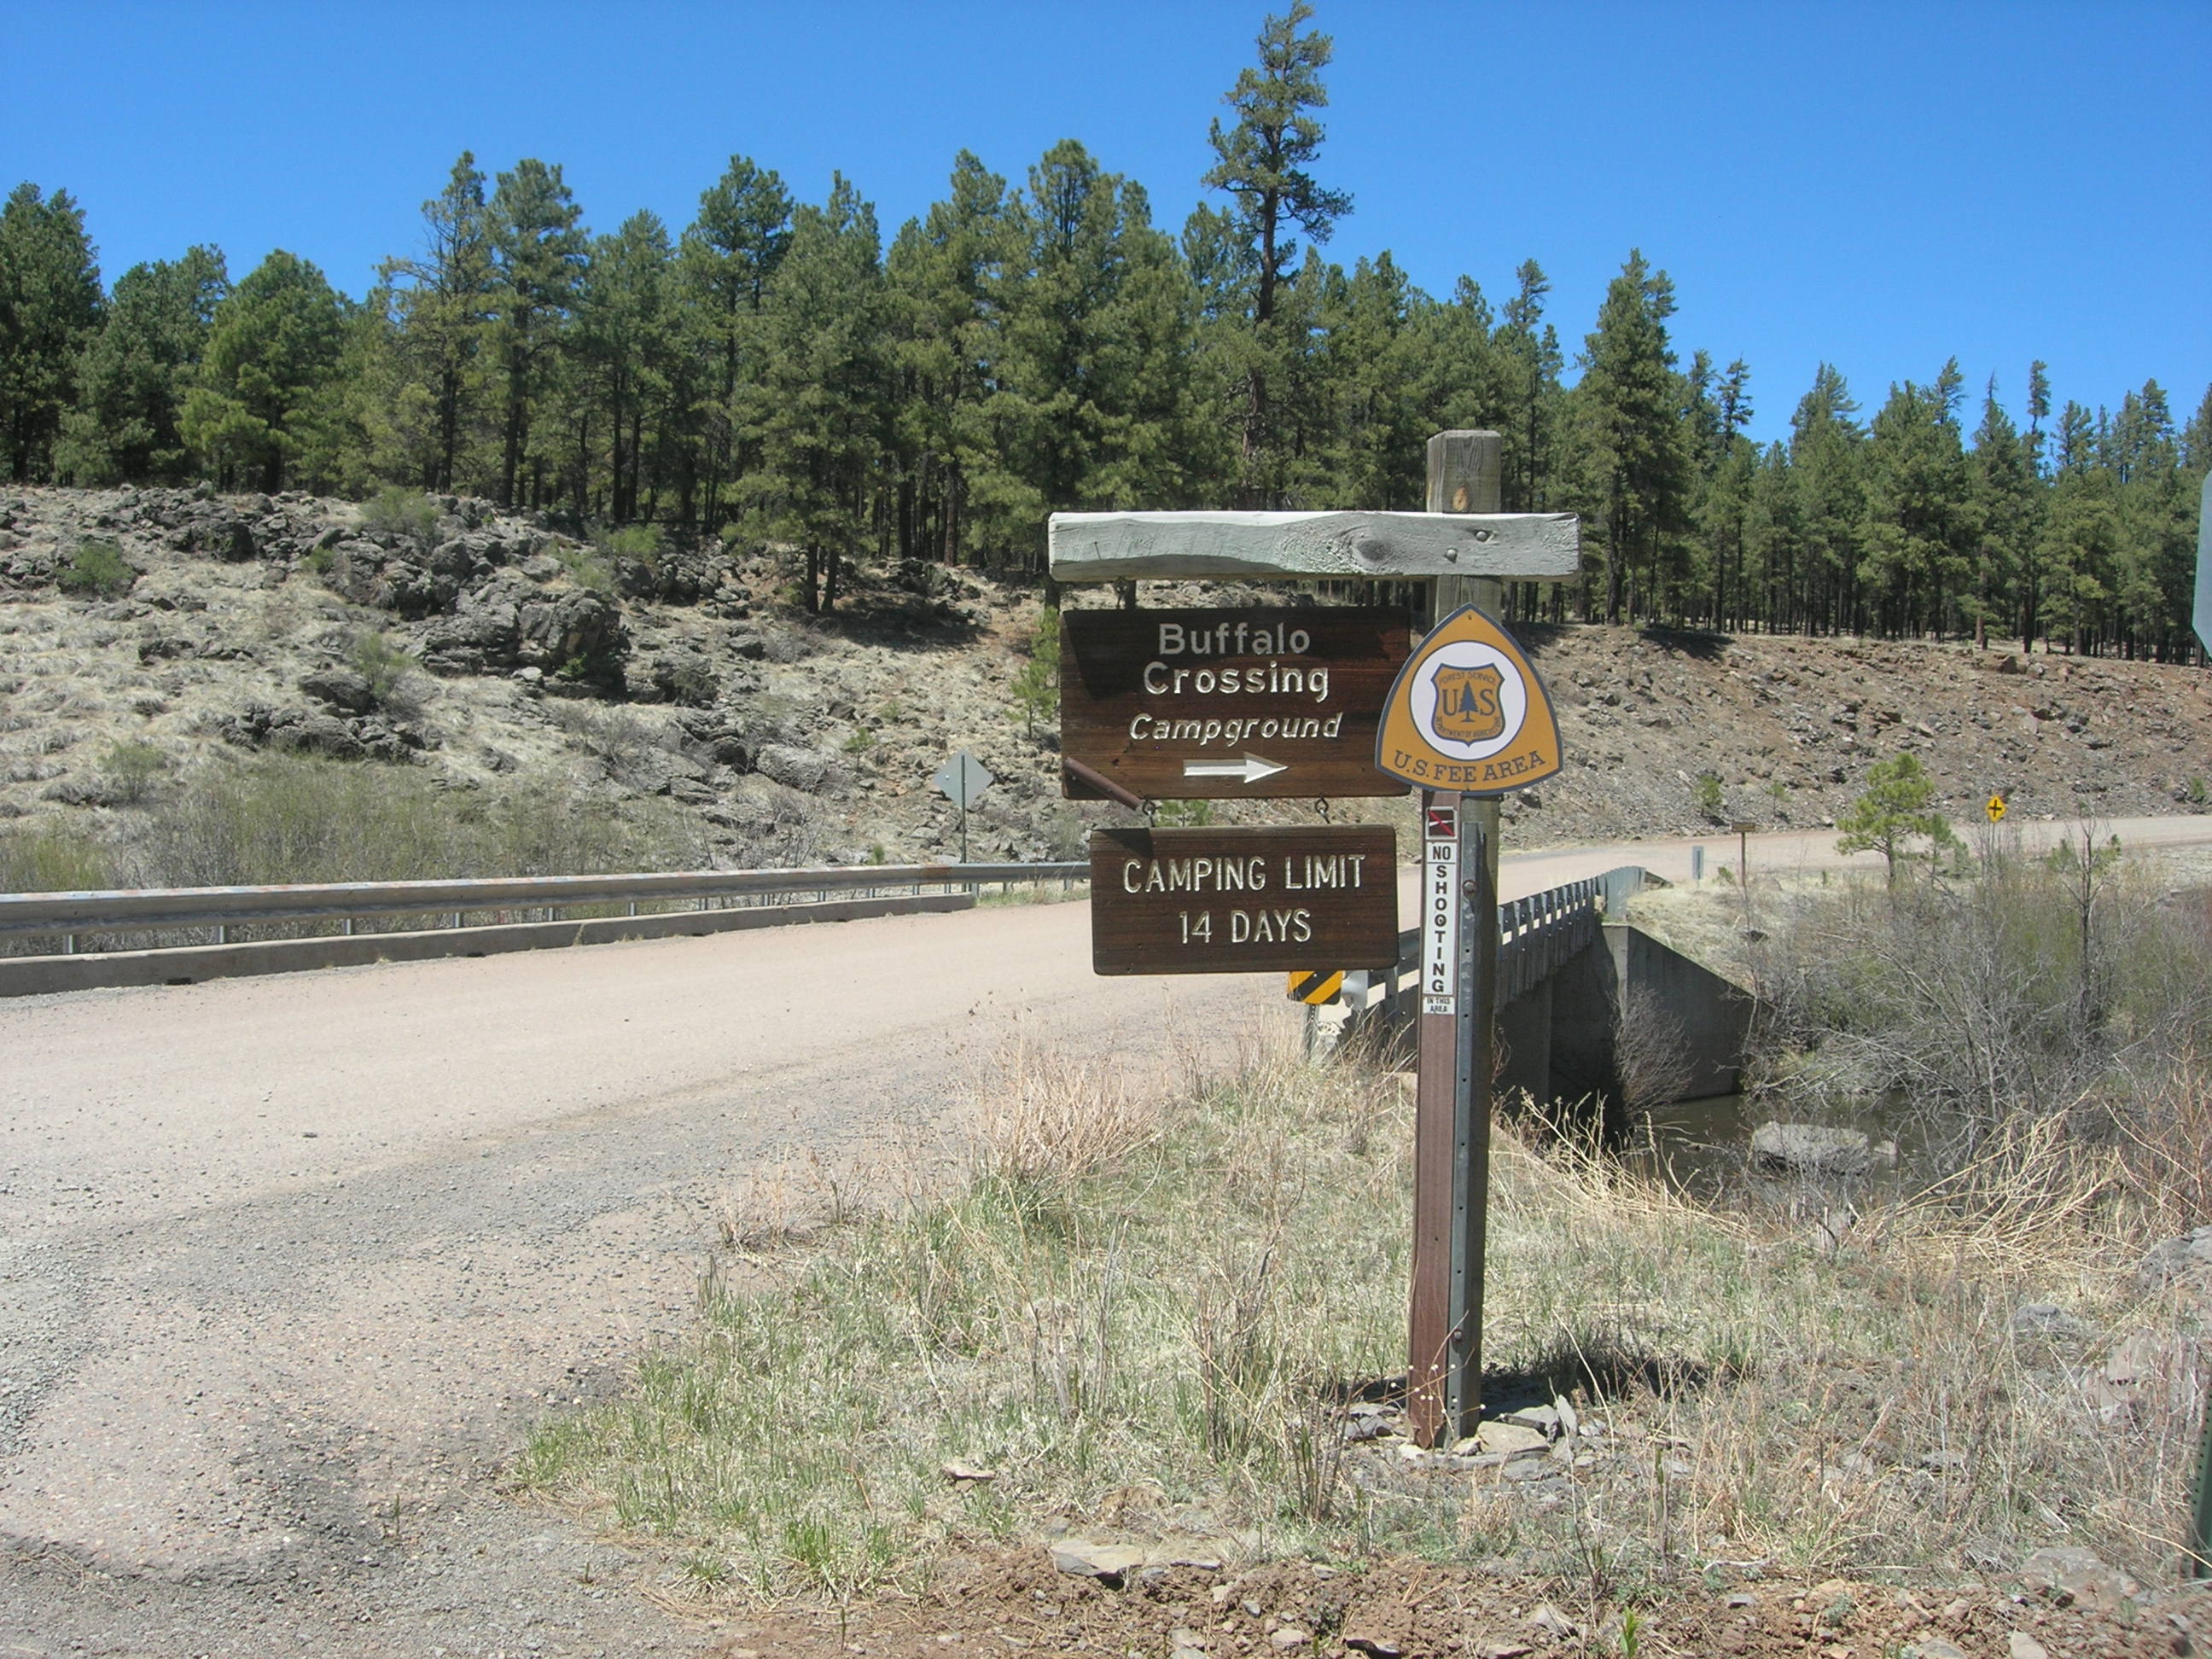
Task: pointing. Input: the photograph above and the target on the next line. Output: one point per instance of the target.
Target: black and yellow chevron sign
(1315, 986)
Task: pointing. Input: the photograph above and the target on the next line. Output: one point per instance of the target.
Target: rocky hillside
(147, 635)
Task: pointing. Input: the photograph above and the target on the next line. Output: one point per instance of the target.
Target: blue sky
(1880, 185)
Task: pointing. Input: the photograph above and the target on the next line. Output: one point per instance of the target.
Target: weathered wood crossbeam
(1101, 547)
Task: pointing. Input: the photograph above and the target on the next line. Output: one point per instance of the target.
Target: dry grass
(1149, 1318)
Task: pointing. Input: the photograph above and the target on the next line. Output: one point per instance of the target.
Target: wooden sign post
(1451, 1101)
(1486, 726)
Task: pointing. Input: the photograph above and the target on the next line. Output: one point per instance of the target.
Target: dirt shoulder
(1016, 1601)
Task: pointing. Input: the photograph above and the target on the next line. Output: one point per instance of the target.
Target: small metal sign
(1218, 704)
(1315, 986)
(1242, 901)
(963, 780)
(1994, 807)
(1467, 715)
(1440, 911)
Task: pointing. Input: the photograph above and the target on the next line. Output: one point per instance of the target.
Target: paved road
(287, 1266)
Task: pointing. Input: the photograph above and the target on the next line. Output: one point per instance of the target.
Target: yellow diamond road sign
(1994, 807)
(1468, 714)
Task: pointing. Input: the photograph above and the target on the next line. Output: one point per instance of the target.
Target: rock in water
(1809, 1148)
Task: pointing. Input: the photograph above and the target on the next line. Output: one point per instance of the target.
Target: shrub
(379, 662)
(2025, 990)
(302, 819)
(98, 569)
(37, 857)
(132, 765)
(1710, 798)
(1036, 688)
(399, 512)
(641, 542)
(1184, 814)
(586, 568)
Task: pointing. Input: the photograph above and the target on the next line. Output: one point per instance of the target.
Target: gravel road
(289, 1265)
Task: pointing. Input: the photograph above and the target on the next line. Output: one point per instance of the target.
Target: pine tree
(132, 377)
(2079, 546)
(440, 306)
(50, 308)
(1529, 349)
(1830, 506)
(825, 430)
(1637, 459)
(1728, 467)
(1091, 403)
(1263, 162)
(625, 350)
(537, 257)
(728, 258)
(268, 375)
(2003, 513)
(1916, 536)
(944, 278)
(1895, 808)
(1378, 350)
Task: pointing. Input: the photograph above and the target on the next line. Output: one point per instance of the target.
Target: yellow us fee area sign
(1468, 714)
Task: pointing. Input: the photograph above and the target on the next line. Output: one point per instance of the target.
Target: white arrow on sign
(1250, 770)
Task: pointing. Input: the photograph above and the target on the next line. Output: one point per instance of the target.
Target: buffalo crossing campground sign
(1219, 704)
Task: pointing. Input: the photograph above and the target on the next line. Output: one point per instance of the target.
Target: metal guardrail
(72, 915)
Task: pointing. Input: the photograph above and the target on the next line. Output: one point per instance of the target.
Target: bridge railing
(76, 916)
(1539, 934)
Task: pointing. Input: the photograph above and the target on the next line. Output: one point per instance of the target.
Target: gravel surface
(291, 1265)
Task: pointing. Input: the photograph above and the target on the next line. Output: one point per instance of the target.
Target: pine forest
(776, 372)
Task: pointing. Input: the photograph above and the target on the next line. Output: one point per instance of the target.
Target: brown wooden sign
(1242, 901)
(1226, 705)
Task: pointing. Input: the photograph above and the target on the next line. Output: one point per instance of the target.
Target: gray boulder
(2187, 1257)
(341, 688)
(1810, 1149)
(804, 769)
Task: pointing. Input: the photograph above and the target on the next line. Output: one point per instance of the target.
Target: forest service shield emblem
(1468, 709)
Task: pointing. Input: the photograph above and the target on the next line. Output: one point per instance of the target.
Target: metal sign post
(962, 779)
